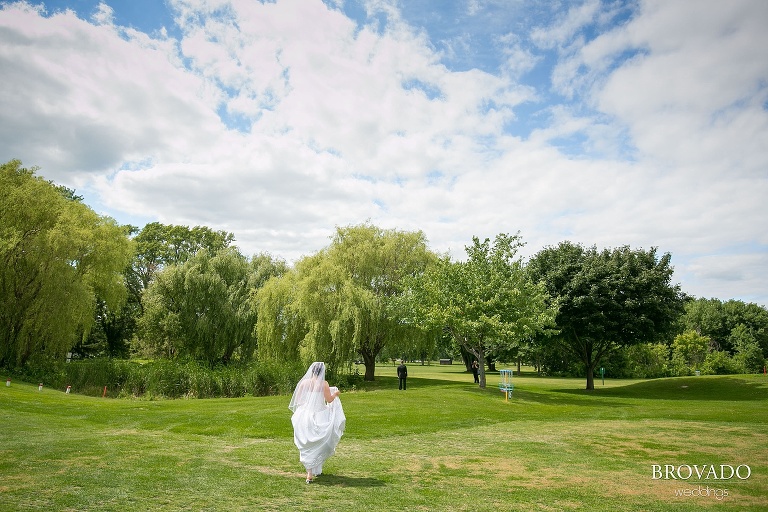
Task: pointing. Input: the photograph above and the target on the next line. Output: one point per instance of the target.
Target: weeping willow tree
(340, 303)
(201, 309)
(280, 327)
(56, 256)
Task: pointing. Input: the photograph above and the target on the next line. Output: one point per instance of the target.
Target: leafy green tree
(374, 264)
(487, 302)
(341, 302)
(201, 309)
(717, 320)
(749, 357)
(263, 268)
(706, 317)
(608, 298)
(57, 256)
(649, 360)
(159, 245)
(530, 353)
(689, 350)
(112, 331)
(418, 345)
(752, 316)
(281, 326)
(718, 362)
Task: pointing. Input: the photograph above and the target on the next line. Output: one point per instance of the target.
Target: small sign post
(602, 374)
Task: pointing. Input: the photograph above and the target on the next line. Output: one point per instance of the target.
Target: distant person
(318, 419)
(475, 369)
(402, 374)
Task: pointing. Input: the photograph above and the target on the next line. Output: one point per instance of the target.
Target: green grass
(443, 444)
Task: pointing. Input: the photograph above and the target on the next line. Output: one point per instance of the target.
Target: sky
(607, 123)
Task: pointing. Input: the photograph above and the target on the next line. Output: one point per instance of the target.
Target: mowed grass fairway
(444, 444)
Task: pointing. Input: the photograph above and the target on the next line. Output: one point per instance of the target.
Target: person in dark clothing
(402, 374)
(475, 369)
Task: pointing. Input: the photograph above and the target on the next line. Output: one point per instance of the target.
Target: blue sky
(641, 123)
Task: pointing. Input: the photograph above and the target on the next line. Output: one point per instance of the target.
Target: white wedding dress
(317, 425)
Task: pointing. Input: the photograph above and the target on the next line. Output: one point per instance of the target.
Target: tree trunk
(587, 359)
(491, 362)
(370, 365)
(467, 357)
(481, 372)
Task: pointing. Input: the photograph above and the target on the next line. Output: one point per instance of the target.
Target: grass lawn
(444, 444)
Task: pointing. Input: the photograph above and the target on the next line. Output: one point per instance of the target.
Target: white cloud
(567, 26)
(338, 123)
(702, 86)
(83, 99)
(104, 15)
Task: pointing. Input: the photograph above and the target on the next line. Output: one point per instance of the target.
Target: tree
(749, 357)
(706, 318)
(112, 331)
(647, 360)
(341, 301)
(281, 327)
(159, 245)
(57, 255)
(487, 303)
(608, 298)
(689, 350)
(753, 317)
(717, 320)
(200, 309)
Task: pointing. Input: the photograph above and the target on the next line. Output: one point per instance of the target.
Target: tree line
(76, 283)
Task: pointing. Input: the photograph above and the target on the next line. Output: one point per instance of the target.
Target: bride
(318, 419)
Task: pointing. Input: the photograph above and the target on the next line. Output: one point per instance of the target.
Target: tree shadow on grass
(684, 388)
(389, 383)
(347, 481)
(560, 397)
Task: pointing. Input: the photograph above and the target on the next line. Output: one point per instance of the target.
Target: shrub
(749, 358)
(647, 361)
(164, 378)
(718, 363)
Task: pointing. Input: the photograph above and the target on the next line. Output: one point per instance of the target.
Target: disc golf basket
(505, 383)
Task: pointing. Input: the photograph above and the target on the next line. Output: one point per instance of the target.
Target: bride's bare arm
(329, 397)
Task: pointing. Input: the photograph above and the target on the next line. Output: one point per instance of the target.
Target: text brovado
(700, 471)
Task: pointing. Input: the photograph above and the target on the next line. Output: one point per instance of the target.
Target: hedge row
(167, 378)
